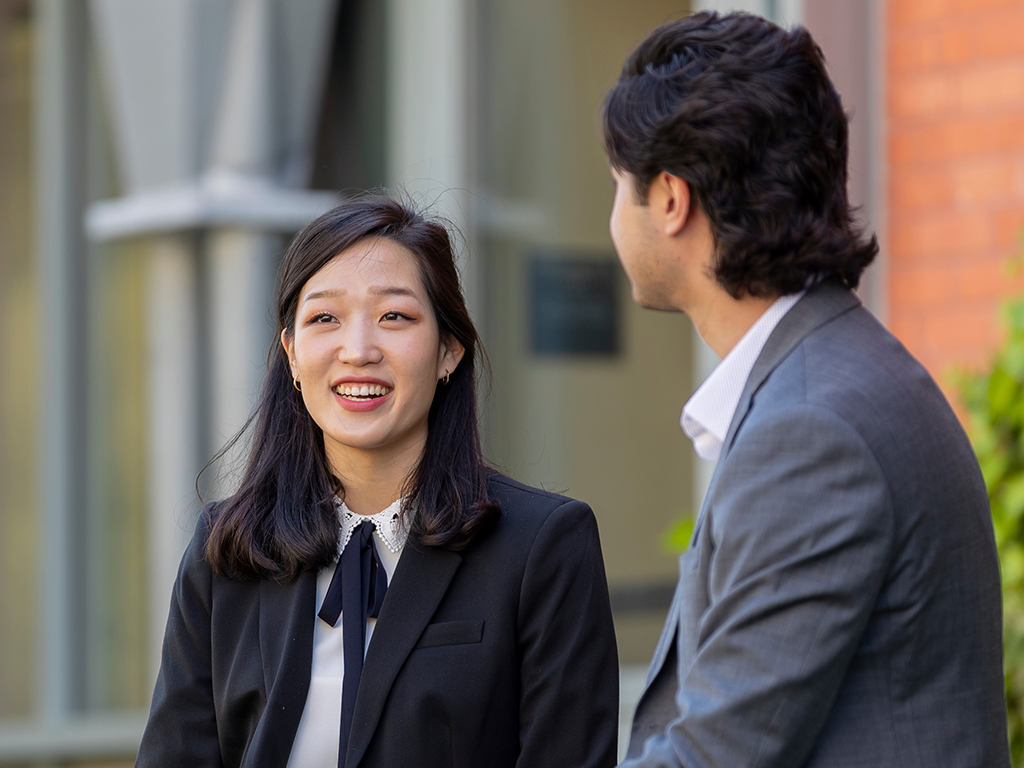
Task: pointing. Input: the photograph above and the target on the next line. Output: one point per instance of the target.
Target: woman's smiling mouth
(361, 392)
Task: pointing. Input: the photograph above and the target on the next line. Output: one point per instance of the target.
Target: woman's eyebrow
(326, 294)
(383, 290)
(393, 290)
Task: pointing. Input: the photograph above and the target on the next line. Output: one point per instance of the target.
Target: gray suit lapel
(420, 582)
(822, 303)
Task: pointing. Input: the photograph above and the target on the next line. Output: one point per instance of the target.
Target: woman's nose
(360, 344)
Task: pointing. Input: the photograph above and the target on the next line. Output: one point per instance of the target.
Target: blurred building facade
(155, 156)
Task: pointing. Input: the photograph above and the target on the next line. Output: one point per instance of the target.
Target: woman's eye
(392, 316)
(323, 317)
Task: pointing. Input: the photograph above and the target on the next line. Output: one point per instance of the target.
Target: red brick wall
(955, 114)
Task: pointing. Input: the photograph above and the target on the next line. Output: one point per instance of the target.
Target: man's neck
(722, 320)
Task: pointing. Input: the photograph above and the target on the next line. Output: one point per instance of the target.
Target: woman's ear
(288, 342)
(451, 354)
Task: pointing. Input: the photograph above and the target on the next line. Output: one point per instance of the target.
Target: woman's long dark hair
(282, 520)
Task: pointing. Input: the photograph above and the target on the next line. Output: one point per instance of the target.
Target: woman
(476, 607)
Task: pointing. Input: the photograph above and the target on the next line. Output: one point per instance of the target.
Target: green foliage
(995, 404)
(676, 539)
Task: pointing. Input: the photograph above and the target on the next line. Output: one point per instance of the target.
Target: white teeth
(364, 390)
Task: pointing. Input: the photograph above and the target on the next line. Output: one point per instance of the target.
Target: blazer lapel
(420, 581)
(287, 613)
(822, 303)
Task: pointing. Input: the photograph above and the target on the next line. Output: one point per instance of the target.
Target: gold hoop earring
(446, 377)
(295, 383)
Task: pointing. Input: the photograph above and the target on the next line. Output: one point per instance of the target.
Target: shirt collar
(389, 525)
(708, 413)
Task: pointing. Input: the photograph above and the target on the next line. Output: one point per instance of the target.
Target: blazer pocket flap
(452, 633)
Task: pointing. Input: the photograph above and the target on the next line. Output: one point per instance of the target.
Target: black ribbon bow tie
(370, 577)
(356, 593)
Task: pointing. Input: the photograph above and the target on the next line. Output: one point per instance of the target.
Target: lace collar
(388, 524)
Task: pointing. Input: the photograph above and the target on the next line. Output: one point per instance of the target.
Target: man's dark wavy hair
(745, 113)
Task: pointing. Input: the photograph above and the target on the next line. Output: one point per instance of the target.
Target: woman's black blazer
(500, 655)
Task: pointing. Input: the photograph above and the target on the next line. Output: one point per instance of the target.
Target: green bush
(995, 404)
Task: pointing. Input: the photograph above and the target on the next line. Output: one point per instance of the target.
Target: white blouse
(316, 740)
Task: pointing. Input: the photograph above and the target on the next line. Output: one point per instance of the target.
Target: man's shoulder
(856, 367)
(853, 369)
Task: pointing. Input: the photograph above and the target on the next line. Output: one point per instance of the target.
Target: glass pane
(587, 386)
(350, 145)
(18, 366)
(117, 674)
(117, 668)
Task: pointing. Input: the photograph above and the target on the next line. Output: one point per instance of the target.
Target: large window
(587, 386)
(73, 570)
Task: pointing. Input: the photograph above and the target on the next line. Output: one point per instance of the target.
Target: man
(839, 604)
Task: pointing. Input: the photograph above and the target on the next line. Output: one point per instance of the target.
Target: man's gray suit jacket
(839, 604)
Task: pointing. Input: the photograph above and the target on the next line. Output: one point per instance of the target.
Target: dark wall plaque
(574, 306)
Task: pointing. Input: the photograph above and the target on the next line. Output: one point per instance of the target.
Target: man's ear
(669, 199)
